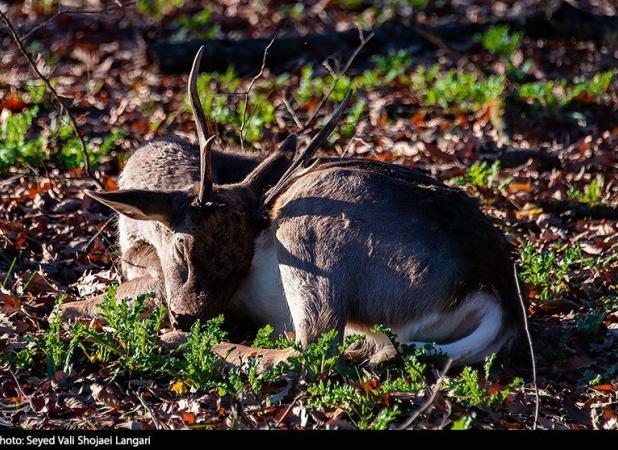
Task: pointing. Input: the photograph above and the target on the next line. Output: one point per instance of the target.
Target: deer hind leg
(467, 334)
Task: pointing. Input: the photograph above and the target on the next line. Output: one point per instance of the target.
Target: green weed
(469, 389)
(156, 9)
(129, 337)
(559, 93)
(456, 92)
(592, 193)
(201, 367)
(547, 271)
(15, 148)
(216, 92)
(482, 175)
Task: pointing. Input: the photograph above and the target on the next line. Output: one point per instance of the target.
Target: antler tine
(202, 132)
(308, 153)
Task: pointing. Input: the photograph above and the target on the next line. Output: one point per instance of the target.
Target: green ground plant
(15, 147)
(592, 192)
(124, 339)
(547, 271)
(456, 92)
(472, 391)
(482, 175)
(222, 103)
(559, 93)
(129, 338)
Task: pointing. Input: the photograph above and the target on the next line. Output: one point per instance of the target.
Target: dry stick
(305, 156)
(76, 11)
(363, 42)
(21, 392)
(288, 409)
(291, 111)
(155, 421)
(253, 80)
(100, 230)
(431, 398)
(34, 67)
(532, 358)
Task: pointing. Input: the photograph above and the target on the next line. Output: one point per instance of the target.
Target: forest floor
(528, 125)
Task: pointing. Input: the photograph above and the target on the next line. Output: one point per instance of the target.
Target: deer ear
(289, 144)
(140, 204)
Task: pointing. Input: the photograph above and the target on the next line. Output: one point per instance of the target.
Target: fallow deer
(337, 244)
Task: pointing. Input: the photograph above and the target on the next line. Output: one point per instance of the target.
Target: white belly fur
(260, 295)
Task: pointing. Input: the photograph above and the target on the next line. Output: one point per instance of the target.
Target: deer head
(204, 234)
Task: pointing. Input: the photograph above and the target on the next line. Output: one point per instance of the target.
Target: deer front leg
(89, 308)
(315, 305)
(235, 354)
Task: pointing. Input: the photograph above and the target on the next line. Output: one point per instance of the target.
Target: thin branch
(291, 112)
(363, 42)
(431, 398)
(20, 390)
(51, 89)
(288, 409)
(532, 358)
(155, 421)
(301, 161)
(253, 80)
(116, 7)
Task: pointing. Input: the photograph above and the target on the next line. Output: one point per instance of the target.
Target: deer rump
(354, 243)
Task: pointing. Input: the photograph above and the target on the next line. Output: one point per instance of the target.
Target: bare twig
(291, 111)
(305, 156)
(288, 409)
(51, 89)
(431, 398)
(532, 358)
(155, 421)
(363, 42)
(116, 7)
(248, 91)
(20, 390)
(99, 231)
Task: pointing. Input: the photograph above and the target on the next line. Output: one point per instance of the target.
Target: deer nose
(184, 321)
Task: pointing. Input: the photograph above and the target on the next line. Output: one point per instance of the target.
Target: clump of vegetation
(199, 25)
(158, 8)
(128, 338)
(57, 142)
(456, 92)
(471, 391)
(57, 351)
(559, 93)
(202, 367)
(499, 41)
(15, 147)
(547, 271)
(264, 339)
(592, 193)
(482, 175)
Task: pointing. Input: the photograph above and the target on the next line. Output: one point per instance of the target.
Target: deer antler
(202, 132)
(293, 171)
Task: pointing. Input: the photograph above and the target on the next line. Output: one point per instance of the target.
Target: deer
(310, 244)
